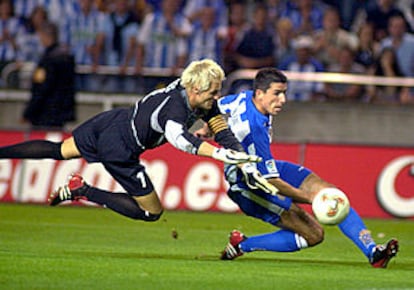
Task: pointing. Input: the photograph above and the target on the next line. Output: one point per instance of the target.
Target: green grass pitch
(71, 247)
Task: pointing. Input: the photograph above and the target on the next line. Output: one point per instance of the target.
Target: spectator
(346, 65)
(57, 10)
(121, 45)
(30, 47)
(193, 10)
(162, 38)
(349, 12)
(380, 14)
(85, 33)
(276, 9)
(153, 5)
(403, 44)
(332, 38)
(256, 49)
(368, 47)
(283, 39)
(104, 5)
(236, 29)
(23, 8)
(10, 27)
(52, 102)
(387, 66)
(121, 40)
(207, 38)
(307, 18)
(139, 8)
(303, 61)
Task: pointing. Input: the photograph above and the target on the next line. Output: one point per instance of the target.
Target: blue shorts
(107, 138)
(261, 205)
(292, 173)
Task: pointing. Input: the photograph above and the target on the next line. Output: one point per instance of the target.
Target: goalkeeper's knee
(146, 216)
(151, 217)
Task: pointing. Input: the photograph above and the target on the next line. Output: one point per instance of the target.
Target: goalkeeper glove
(255, 180)
(234, 157)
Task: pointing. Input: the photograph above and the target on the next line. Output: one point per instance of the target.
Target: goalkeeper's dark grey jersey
(162, 116)
(165, 115)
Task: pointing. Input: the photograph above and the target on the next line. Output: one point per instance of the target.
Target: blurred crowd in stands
(371, 37)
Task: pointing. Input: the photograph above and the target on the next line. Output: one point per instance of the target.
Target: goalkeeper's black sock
(36, 149)
(121, 203)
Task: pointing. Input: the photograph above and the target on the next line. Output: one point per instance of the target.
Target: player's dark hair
(266, 76)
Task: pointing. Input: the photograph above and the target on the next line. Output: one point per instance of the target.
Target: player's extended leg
(304, 224)
(299, 230)
(147, 208)
(41, 149)
(69, 149)
(150, 203)
(354, 228)
(34, 149)
(144, 205)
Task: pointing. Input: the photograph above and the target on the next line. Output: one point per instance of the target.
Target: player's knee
(151, 217)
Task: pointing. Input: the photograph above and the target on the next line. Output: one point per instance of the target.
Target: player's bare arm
(297, 194)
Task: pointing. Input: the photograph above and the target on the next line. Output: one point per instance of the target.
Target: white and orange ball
(330, 206)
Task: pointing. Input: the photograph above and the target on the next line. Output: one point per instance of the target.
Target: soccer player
(250, 114)
(117, 138)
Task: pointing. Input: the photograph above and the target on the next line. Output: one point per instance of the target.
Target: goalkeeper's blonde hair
(201, 74)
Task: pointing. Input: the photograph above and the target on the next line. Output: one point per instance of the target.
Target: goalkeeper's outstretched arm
(180, 138)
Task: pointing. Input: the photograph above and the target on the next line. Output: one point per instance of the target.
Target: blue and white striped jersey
(251, 128)
(80, 32)
(207, 43)
(12, 26)
(162, 47)
(128, 31)
(23, 8)
(29, 46)
(220, 7)
(57, 10)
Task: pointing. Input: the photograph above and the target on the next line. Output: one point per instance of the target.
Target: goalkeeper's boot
(232, 249)
(384, 253)
(74, 189)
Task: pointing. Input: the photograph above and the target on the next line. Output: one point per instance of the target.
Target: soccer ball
(330, 206)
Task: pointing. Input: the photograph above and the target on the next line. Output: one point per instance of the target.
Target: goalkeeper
(117, 138)
(249, 117)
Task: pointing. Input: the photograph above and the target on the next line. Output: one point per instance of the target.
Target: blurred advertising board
(378, 180)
